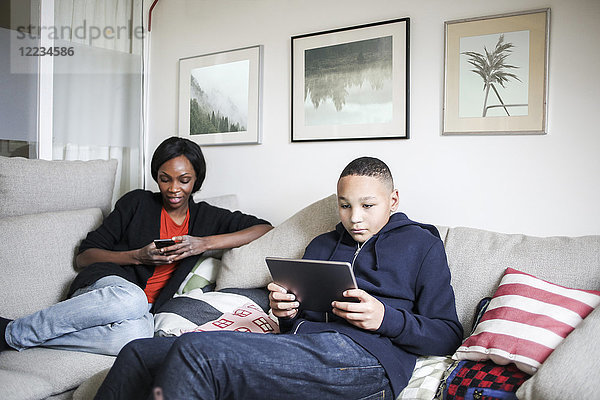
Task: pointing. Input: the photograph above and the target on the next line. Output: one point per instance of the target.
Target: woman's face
(176, 179)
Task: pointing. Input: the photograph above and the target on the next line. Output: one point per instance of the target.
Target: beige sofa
(477, 260)
(62, 201)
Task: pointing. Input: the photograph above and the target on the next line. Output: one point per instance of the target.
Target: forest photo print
(220, 97)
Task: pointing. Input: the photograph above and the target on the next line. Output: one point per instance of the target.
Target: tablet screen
(315, 283)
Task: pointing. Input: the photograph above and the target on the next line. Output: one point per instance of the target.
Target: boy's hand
(282, 303)
(368, 314)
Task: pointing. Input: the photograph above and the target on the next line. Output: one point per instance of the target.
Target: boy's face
(365, 204)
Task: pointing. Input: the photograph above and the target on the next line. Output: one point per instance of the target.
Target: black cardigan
(135, 222)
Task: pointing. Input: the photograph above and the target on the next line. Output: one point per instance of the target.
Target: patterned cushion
(247, 318)
(202, 275)
(186, 312)
(525, 321)
(484, 256)
(483, 380)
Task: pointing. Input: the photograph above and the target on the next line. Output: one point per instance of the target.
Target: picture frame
(496, 74)
(220, 97)
(351, 83)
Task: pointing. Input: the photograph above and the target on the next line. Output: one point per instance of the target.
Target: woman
(126, 277)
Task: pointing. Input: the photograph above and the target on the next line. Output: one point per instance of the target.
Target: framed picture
(496, 74)
(351, 83)
(220, 97)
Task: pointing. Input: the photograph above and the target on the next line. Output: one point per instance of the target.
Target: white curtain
(123, 16)
(97, 95)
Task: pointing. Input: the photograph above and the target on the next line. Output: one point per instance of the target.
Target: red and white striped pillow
(525, 321)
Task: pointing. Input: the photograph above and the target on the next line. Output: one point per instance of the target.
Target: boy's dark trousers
(235, 365)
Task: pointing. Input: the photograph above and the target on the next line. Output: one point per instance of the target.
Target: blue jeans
(236, 365)
(100, 318)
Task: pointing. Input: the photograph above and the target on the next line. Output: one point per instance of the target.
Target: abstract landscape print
(351, 83)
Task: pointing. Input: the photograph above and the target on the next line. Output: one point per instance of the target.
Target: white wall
(540, 185)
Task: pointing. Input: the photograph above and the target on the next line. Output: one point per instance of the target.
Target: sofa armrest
(570, 371)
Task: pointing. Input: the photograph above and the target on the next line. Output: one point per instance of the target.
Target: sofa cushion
(570, 372)
(88, 389)
(68, 395)
(478, 258)
(35, 186)
(443, 230)
(245, 267)
(37, 258)
(247, 318)
(227, 201)
(525, 321)
(49, 372)
(22, 385)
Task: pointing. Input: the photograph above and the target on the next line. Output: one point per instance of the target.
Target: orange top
(162, 273)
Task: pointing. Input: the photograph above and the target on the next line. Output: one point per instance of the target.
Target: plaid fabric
(425, 379)
(483, 381)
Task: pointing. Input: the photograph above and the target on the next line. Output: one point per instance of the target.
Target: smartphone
(160, 243)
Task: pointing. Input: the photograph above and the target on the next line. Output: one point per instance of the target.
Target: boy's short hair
(370, 166)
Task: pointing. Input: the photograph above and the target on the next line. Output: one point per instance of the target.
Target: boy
(360, 350)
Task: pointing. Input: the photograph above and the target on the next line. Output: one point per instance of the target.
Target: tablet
(315, 283)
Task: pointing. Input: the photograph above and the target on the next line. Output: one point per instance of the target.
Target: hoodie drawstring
(358, 247)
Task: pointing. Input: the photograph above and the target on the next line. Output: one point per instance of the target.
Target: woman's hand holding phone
(166, 251)
(170, 248)
(161, 243)
(152, 254)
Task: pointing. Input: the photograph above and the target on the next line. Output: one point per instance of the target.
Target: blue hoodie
(404, 266)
